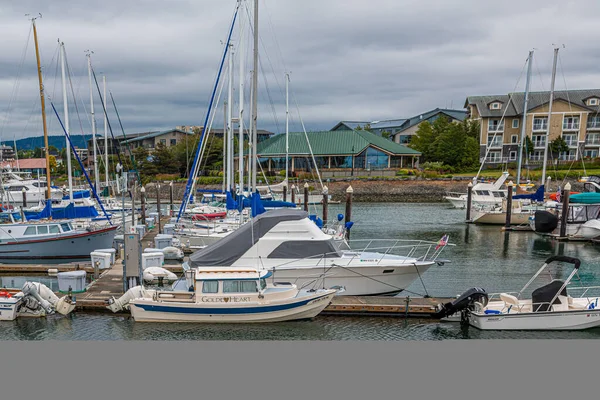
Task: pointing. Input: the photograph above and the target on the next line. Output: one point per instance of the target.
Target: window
(54, 229)
(163, 141)
(514, 139)
(495, 141)
(591, 153)
(539, 140)
(30, 230)
(173, 142)
(592, 102)
(322, 162)
(210, 286)
(263, 284)
(495, 105)
(593, 138)
(538, 155)
(593, 122)
(512, 155)
(540, 123)
(65, 227)
(571, 139)
(495, 125)
(567, 155)
(495, 156)
(239, 287)
(482, 192)
(515, 123)
(42, 230)
(341, 161)
(371, 159)
(571, 123)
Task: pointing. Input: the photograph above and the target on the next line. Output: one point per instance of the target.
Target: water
(483, 256)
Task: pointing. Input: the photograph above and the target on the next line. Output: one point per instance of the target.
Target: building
(7, 153)
(261, 134)
(117, 143)
(33, 165)
(575, 118)
(150, 140)
(342, 150)
(402, 130)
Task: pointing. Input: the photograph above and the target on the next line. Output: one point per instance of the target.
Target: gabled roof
(348, 125)
(389, 123)
(330, 143)
(155, 134)
(536, 99)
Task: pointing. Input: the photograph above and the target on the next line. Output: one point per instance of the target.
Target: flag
(558, 194)
(443, 241)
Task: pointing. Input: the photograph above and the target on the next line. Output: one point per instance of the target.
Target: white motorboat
(550, 307)
(224, 295)
(291, 245)
(583, 222)
(34, 300)
(483, 193)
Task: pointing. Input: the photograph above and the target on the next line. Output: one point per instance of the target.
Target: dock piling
(325, 205)
(469, 200)
(294, 194)
(285, 193)
(171, 199)
(509, 195)
(158, 205)
(306, 196)
(143, 200)
(348, 215)
(565, 209)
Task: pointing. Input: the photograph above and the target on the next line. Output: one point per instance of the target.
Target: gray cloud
(348, 59)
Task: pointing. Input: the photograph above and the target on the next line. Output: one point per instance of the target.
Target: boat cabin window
(54, 229)
(263, 284)
(239, 287)
(30, 230)
(42, 230)
(210, 286)
(65, 227)
(39, 184)
(498, 194)
(482, 192)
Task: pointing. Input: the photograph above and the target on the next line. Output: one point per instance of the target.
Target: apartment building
(575, 117)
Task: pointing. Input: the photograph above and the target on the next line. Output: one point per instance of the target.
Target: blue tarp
(278, 204)
(68, 212)
(257, 205)
(80, 194)
(230, 202)
(537, 196)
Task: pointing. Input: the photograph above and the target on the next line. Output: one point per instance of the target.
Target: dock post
(349, 192)
(24, 192)
(325, 205)
(565, 209)
(294, 194)
(158, 205)
(133, 211)
(469, 200)
(509, 195)
(171, 199)
(143, 200)
(306, 196)
(285, 193)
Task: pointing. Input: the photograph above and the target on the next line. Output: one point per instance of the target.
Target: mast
(39, 66)
(225, 166)
(96, 180)
(254, 95)
(287, 126)
(105, 135)
(230, 171)
(66, 111)
(524, 122)
(241, 118)
(549, 115)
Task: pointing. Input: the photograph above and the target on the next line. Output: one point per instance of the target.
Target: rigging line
(127, 147)
(82, 167)
(539, 74)
(192, 179)
(270, 20)
(17, 83)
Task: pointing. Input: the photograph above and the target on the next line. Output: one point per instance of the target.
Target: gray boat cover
(229, 249)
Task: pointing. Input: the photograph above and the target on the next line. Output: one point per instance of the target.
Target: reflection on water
(483, 256)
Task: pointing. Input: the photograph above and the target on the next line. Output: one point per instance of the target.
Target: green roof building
(341, 150)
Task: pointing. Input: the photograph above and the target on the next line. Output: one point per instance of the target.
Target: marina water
(484, 256)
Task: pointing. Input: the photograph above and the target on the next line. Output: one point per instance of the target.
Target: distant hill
(58, 141)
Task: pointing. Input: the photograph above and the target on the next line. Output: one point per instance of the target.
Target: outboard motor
(30, 289)
(463, 302)
(545, 222)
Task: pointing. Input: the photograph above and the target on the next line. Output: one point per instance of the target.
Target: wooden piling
(285, 193)
(143, 200)
(158, 205)
(349, 192)
(24, 192)
(132, 209)
(509, 195)
(565, 209)
(294, 194)
(469, 200)
(171, 199)
(306, 196)
(325, 206)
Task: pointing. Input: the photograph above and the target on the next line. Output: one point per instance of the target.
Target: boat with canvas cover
(550, 306)
(288, 243)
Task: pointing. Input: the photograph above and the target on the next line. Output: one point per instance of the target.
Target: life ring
(4, 293)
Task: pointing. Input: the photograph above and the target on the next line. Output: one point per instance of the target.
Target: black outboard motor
(463, 302)
(545, 222)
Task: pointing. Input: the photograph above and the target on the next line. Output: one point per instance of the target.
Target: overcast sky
(349, 60)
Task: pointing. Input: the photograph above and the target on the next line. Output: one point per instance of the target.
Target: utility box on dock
(141, 229)
(112, 252)
(73, 279)
(133, 255)
(169, 229)
(155, 259)
(161, 241)
(103, 260)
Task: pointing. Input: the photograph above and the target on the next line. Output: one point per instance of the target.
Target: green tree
(528, 149)
(38, 153)
(367, 127)
(557, 146)
(386, 134)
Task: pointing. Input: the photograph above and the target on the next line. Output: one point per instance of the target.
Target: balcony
(539, 144)
(571, 126)
(592, 142)
(593, 124)
(542, 126)
(495, 143)
(495, 160)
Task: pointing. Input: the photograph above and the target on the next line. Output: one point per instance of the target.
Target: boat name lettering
(233, 299)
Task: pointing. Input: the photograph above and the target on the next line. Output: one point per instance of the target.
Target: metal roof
(155, 134)
(351, 125)
(330, 143)
(513, 102)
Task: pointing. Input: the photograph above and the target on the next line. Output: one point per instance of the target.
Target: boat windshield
(263, 283)
(65, 227)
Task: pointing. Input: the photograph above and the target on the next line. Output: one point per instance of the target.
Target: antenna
(34, 18)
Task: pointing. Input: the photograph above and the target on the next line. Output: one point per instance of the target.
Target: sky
(347, 60)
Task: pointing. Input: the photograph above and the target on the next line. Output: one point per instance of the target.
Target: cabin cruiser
(224, 295)
(296, 250)
(550, 306)
(583, 218)
(482, 193)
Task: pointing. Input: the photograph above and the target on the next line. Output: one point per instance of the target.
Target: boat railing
(455, 194)
(419, 249)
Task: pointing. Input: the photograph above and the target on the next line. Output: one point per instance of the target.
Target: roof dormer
(592, 101)
(495, 105)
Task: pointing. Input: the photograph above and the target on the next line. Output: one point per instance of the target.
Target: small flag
(443, 241)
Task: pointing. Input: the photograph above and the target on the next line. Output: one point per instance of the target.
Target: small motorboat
(34, 300)
(225, 295)
(550, 307)
(209, 216)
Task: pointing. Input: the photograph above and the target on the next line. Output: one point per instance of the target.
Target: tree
(52, 161)
(386, 134)
(38, 153)
(528, 150)
(367, 127)
(557, 146)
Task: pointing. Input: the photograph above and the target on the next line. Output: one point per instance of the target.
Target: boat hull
(306, 307)
(554, 320)
(500, 218)
(77, 246)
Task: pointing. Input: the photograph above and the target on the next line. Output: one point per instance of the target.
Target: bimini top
(229, 249)
(227, 273)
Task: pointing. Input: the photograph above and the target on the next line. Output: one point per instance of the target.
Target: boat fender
(591, 306)
(495, 312)
(4, 293)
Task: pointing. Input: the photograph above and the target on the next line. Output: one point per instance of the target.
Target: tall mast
(241, 117)
(105, 135)
(287, 126)
(225, 166)
(96, 179)
(549, 115)
(254, 95)
(39, 66)
(67, 128)
(524, 121)
(230, 172)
